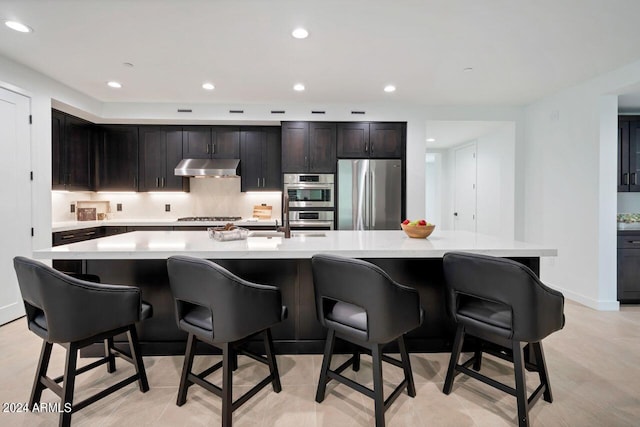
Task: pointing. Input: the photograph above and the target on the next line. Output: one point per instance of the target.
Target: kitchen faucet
(286, 227)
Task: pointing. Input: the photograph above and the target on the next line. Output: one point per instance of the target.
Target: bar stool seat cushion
(349, 314)
(199, 316)
(482, 310)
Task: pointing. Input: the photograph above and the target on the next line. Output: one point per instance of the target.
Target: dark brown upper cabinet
(160, 152)
(629, 154)
(117, 158)
(308, 147)
(260, 167)
(375, 140)
(211, 142)
(71, 148)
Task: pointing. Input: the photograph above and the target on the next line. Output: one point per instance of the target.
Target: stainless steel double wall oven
(311, 200)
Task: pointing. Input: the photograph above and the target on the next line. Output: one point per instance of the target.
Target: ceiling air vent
(185, 110)
(317, 112)
(236, 111)
(277, 111)
(357, 112)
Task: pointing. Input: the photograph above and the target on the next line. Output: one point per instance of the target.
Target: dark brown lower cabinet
(629, 266)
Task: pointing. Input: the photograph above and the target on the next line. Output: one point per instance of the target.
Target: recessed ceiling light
(114, 85)
(389, 88)
(299, 87)
(431, 140)
(208, 86)
(300, 33)
(15, 25)
(468, 69)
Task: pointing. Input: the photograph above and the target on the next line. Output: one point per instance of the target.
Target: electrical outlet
(119, 207)
(167, 208)
(73, 208)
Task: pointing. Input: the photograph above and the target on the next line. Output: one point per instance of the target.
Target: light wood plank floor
(594, 365)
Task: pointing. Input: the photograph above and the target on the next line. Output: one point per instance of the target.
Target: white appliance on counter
(369, 194)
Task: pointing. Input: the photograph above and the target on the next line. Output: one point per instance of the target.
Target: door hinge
(32, 232)
(31, 175)
(30, 119)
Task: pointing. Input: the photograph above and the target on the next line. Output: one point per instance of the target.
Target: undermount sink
(308, 234)
(270, 234)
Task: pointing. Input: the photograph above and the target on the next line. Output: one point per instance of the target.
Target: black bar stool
(219, 308)
(359, 303)
(76, 313)
(501, 301)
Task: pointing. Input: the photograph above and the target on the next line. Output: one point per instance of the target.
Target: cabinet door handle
(213, 148)
(634, 178)
(208, 149)
(68, 236)
(371, 145)
(635, 242)
(157, 182)
(258, 182)
(626, 178)
(90, 233)
(366, 147)
(263, 184)
(163, 182)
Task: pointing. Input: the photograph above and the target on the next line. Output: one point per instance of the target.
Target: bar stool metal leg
(136, 357)
(542, 370)
(186, 370)
(68, 384)
(111, 359)
(453, 362)
(406, 366)
(521, 385)
(271, 358)
(227, 384)
(43, 365)
(378, 385)
(326, 362)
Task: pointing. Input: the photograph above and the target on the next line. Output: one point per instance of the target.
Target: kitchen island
(139, 258)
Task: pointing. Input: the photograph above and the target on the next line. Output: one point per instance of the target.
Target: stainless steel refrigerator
(369, 194)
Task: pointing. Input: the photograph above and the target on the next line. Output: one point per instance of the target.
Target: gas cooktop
(210, 218)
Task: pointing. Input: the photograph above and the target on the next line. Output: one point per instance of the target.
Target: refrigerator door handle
(367, 200)
(372, 187)
(359, 193)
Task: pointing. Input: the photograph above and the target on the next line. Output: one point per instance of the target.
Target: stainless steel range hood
(211, 168)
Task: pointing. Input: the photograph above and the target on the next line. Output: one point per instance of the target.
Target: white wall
(496, 181)
(40, 89)
(495, 209)
(570, 192)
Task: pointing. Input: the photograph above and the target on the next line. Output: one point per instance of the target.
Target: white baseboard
(11, 312)
(600, 305)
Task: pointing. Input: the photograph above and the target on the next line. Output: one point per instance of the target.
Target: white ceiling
(520, 51)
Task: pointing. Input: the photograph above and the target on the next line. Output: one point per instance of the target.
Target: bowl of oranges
(419, 229)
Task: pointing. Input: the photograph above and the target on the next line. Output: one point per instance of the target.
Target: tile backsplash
(208, 197)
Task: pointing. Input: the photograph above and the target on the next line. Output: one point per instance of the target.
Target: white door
(464, 198)
(15, 188)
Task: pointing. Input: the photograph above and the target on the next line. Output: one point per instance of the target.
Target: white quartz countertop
(77, 225)
(356, 244)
